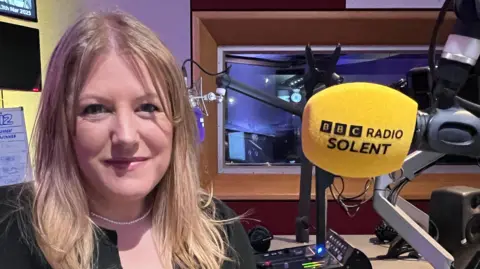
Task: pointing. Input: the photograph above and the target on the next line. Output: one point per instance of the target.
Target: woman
(115, 165)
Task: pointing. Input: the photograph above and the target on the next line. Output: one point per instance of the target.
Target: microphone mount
(447, 128)
(451, 125)
(460, 53)
(453, 131)
(315, 80)
(198, 99)
(195, 91)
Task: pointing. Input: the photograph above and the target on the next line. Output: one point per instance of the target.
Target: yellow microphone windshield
(358, 129)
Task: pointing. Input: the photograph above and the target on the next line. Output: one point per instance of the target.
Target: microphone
(200, 123)
(358, 129)
(197, 101)
(366, 130)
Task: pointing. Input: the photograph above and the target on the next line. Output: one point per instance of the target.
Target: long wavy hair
(185, 229)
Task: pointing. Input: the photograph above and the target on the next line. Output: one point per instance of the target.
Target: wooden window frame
(213, 29)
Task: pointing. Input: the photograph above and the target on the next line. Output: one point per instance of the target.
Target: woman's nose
(125, 130)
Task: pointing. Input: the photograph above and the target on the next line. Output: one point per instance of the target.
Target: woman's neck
(109, 212)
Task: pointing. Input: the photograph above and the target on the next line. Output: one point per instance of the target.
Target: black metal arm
(315, 80)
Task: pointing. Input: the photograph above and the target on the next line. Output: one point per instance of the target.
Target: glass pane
(257, 133)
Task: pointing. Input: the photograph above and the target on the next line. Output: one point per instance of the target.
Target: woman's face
(123, 140)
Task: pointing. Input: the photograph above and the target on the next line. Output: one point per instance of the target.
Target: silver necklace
(122, 222)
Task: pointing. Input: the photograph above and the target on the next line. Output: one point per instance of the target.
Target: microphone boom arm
(410, 222)
(225, 81)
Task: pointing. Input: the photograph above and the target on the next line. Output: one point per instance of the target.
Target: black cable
(399, 190)
(340, 193)
(469, 106)
(384, 232)
(341, 199)
(395, 192)
(433, 41)
(185, 75)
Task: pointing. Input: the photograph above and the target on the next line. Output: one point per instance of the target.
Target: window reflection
(256, 133)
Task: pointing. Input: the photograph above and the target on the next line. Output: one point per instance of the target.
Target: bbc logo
(341, 129)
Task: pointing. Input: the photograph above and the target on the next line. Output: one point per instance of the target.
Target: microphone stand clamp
(198, 99)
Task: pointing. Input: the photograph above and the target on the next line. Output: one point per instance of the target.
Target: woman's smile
(128, 164)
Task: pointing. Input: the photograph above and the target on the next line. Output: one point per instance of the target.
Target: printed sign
(15, 164)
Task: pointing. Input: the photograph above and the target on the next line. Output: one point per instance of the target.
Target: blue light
(296, 97)
(320, 249)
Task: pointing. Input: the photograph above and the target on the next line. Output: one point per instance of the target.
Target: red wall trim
(263, 5)
(279, 216)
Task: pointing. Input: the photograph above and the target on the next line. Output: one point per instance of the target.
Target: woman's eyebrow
(93, 96)
(148, 96)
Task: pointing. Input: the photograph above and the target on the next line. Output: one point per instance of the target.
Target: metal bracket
(410, 222)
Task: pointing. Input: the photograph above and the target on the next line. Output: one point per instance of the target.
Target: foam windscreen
(358, 129)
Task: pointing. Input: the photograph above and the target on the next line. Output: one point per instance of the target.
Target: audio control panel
(339, 254)
(296, 258)
(338, 247)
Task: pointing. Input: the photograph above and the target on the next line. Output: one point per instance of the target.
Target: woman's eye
(94, 109)
(148, 108)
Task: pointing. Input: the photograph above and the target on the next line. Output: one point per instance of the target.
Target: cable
(398, 190)
(384, 232)
(469, 106)
(433, 41)
(395, 192)
(340, 199)
(185, 75)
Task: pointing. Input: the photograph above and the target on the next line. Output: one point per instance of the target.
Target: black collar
(111, 236)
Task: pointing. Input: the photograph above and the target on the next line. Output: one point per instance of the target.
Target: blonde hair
(185, 229)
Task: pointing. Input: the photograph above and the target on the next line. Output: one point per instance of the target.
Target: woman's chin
(130, 192)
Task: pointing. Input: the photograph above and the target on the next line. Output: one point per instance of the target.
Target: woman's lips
(128, 164)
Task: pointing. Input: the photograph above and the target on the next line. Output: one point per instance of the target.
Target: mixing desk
(338, 253)
(363, 243)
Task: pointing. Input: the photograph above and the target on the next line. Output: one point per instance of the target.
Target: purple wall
(170, 19)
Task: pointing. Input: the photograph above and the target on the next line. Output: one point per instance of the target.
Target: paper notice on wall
(393, 4)
(15, 166)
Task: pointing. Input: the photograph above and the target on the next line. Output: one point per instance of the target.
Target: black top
(15, 254)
